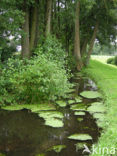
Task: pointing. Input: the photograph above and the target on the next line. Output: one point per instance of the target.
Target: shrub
(115, 60)
(110, 60)
(52, 49)
(42, 80)
(33, 81)
(71, 63)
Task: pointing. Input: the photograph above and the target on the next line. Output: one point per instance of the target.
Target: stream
(23, 133)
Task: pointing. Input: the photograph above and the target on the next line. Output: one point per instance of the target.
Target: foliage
(115, 60)
(112, 60)
(7, 52)
(71, 62)
(32, 81)
(53, 50)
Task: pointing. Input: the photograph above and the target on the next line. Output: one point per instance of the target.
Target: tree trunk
(83, 50)
(48, 17)
(37, 29)
(54, 18)
(77, 38)
(33, 28)
(58, 15)
(92, 43)
(25, 38)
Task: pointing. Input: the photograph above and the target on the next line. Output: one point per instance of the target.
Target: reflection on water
(23, 133)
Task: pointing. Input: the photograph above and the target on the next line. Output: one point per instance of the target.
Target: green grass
(105, 77)
(101, 58)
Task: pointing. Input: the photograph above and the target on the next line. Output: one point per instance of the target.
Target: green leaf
(78, 107)
(90, 94)
(79, 113)
(81, 137)
(61, 103)
(56, 123)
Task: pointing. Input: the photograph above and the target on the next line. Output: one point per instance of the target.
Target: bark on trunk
(92, 43)
(25, 38)
(58, 15)
(48, 17)
(83, 50)
(77, 38)
(34, 20)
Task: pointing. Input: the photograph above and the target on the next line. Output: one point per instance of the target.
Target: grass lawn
(101, 58)
(105, 77)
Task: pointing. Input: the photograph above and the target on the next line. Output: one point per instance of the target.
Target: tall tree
(33, 24)
(48, 17)
(77, 38)
(92, 43)
(25, 37)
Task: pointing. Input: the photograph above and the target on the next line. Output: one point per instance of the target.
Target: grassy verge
(101, 58)
(106, 79)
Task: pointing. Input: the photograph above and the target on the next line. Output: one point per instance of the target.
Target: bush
(52, 49)
(115, 60)
(33, 81)
(110, 60)
(7, 52)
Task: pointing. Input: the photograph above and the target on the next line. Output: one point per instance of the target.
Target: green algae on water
(79, 113)
(57, 148)
(52, 118)
(90, 94)
(80, 119)
(71, 102)
(51, 114)
(78, 99)
(78, 107)
(61, 103)
(81, 137)
(42, 154)
(56, 123)
(94, 108)
(1, 154)
(32, 107)
(79, 146)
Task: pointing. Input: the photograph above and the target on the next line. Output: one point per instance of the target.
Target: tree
(92, 43)
(25, 37)
(48, 17)
(33, 25)
(77, 38)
